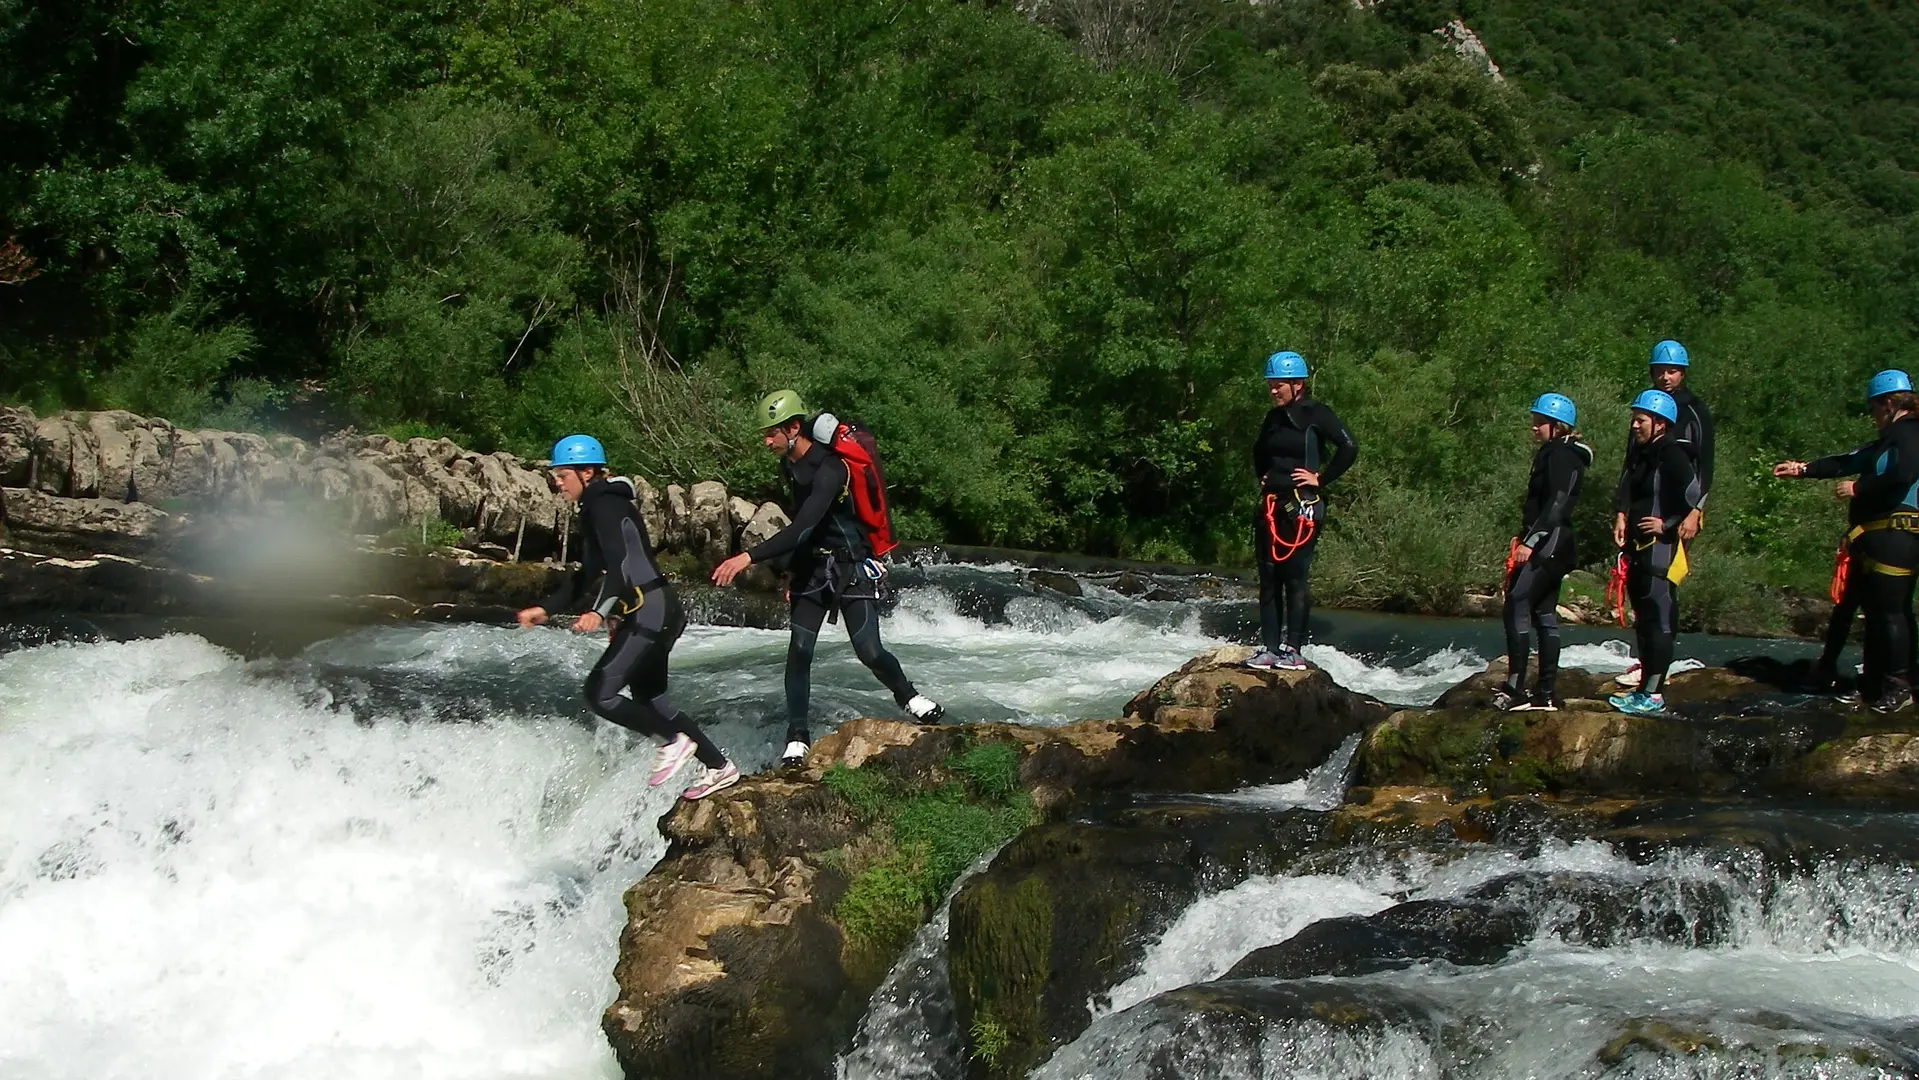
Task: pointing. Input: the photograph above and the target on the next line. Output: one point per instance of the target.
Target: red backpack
(865, 481)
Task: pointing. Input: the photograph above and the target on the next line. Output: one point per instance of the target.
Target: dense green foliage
(1043, 270)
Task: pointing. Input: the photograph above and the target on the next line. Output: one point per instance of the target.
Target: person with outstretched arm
(624, 589)
(1290, 462)
(831, 570)
(1543, 553)
(1659, 488)
(1883, 542)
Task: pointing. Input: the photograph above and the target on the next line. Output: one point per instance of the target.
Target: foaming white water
(1215, 932)
(1418, 684)
(1610, 655)
(1320, 789)
(213, 868)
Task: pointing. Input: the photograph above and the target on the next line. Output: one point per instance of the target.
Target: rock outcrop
(81, 486)
(752, 948)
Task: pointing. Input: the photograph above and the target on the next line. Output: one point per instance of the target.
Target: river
(399, 851)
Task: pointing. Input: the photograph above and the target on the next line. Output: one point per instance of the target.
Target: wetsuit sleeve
(828, 481)
(1677, 473)
(569, 592)
(1347, 448)
(1832, 466)
(1562, 476)
(1883, 489)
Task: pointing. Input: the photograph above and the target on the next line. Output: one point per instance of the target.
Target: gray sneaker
(1291, 660)
(1265, 661)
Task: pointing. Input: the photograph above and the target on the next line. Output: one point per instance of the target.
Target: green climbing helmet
(780, 406)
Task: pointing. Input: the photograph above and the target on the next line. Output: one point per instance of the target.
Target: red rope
(1616, 588)
(1841, 570)
(1302, 532)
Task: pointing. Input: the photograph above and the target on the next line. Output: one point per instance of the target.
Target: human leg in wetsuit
(858, 605)
(1655, 607)
(636, 660)
(1883, 566)
(1285, 585)
(1532, 597)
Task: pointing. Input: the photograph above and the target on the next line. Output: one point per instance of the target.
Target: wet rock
(736, 961)
(739, 513)
(1457, 932)
(1064, 584)
(1736, 729)
(1131, 584)
(1067, 910)
(1605, 912)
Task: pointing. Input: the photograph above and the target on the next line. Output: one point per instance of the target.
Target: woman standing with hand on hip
(1290, 460)
(1542, 553)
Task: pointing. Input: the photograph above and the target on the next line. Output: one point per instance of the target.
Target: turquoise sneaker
(1638, 704)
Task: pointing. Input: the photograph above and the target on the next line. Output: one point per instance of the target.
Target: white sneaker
(669, 759)
(924, 709)
(723, 777)
(1628, 677)
(794, 754)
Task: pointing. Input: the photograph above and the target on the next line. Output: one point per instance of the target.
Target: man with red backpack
(839, 529)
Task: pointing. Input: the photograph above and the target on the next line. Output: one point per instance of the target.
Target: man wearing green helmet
(830, 566)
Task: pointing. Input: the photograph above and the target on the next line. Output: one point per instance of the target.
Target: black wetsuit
(826, 547)
(1532, 589)
(1694, 429)
(1884, 544)
(1659, 480)
(649, 617)
(1286, 525)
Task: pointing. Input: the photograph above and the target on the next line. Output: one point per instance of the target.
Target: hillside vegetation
(1042, 252)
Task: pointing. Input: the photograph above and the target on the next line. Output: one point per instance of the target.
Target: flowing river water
(399, 852)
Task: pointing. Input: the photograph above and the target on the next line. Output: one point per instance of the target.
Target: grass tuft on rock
(930, 836)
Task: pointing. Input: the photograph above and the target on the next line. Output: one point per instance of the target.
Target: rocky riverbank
(752, 948)
(112, 512)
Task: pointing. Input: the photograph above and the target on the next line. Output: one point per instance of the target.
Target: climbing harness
(1305, 512)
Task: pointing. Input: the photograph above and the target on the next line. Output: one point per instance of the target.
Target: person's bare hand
(587, 623)
(1844, 489)
(531, 617)
(1789, 468)
(724, 573)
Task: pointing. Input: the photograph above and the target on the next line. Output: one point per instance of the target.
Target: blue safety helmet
(1659, 403)
(1286, 365)
(579, 450)
(1556, 407)
(1890, 381)
(1668, 353)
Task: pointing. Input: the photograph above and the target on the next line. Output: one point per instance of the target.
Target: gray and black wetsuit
(825, 547)
(1532, 590)
(1659, 480)
(1286, 525)
(1884, 544)
(619, 579)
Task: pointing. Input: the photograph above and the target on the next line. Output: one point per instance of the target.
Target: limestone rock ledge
(737, 960)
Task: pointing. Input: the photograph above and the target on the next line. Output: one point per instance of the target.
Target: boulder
(739, 513)
(113, 451)
(761, 527)
(678, 515)
(1064, 584)
(83, 527)
(17, 433)
(67, 463)
(709, 526)
(652, 507)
